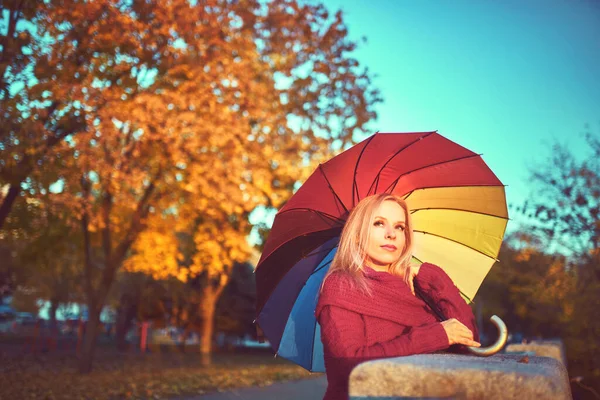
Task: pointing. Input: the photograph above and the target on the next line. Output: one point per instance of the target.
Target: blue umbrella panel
(288, 317)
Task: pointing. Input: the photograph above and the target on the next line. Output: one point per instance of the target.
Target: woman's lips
(389, 247)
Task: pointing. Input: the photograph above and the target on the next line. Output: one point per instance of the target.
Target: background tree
(552, 274)
(37, 113)
(533, 292)
(136, 109)
(569, 217)
(51, 260)
(214, 127)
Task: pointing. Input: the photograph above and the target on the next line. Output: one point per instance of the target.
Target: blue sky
(502, 78)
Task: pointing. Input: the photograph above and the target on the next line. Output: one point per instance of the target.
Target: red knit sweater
(356, 327)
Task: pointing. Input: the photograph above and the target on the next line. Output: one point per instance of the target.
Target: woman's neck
(379, 268)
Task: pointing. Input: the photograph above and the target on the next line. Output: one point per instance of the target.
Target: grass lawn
(138, 376)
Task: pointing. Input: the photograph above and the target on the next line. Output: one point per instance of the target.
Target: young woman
(367, 307)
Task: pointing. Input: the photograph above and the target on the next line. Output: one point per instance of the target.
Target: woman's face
(387, 238)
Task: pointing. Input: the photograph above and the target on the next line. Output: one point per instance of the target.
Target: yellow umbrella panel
(459, 229)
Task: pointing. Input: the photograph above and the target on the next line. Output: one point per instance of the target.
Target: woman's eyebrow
(397, 222)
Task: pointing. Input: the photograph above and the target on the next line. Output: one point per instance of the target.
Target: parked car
(7, 318)
(25, 318)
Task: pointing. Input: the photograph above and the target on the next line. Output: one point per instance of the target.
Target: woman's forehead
(390, 210)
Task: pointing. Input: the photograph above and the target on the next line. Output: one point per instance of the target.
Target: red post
(144, 337)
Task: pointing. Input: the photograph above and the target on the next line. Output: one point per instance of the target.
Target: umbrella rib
(320, 213)
(414, 210)
(376, 180)
(457, 242)
(395, 182)
(417, 258)
(334, 221)
(319, 252)
(406, 196)
(312, 347)
(331, 188)
(354, 185)
(322, 266)
(312, 352)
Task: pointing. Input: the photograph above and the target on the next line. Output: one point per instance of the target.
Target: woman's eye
(378, 223)
(400, 227)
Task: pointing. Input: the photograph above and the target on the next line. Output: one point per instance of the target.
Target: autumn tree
(199, 111)
(532, 291)
(52, 263)
(565, 215)
(566, 206)
(15, 58)
(203, 253)
(35, 118)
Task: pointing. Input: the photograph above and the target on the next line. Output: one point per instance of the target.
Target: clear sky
(502, 78)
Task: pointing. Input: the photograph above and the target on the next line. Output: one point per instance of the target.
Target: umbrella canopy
(457, 205)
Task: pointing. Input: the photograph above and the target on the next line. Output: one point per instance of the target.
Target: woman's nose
(390, 233)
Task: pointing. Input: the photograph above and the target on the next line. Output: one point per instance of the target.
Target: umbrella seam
(259, 311)
(321, 213)
(331, 187)
(321, 267)
(414, 210)
(376, 180)
(354, 185)
(393, 184)
(406, 196)
(462, 244)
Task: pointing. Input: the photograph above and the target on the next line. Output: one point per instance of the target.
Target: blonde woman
(367, 306)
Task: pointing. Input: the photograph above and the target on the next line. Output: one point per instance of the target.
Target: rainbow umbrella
(458, 208)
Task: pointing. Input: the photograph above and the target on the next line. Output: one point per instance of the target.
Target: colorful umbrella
(458, 208)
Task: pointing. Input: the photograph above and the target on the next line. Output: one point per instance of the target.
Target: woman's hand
(411, 273)
(458, 333)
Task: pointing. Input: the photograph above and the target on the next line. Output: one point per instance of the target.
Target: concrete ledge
(542, 348)
(461, 377)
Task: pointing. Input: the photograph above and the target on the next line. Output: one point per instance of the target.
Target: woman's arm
(437, 286)
(343, 336)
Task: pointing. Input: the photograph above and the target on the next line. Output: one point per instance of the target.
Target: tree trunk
(208, 303)
(8, 201)
(53, 308)
(207, 310)
(53, 339)
(89, 342)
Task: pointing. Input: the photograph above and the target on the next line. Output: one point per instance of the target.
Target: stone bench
(461, 377)
(541, 348)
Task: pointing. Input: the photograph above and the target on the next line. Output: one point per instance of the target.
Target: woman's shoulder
(431, 274)
(338, 280)
(341, 290)
(432, 268)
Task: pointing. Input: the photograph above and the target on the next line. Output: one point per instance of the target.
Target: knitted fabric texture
(391, 322)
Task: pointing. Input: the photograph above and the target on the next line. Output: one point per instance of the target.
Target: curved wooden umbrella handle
(496, 347)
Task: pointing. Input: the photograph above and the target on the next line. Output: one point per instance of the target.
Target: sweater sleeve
(438, 287)
(343, 336)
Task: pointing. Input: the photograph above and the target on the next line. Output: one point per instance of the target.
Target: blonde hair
(351, 253)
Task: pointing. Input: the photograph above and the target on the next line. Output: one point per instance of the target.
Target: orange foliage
(181, 113)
